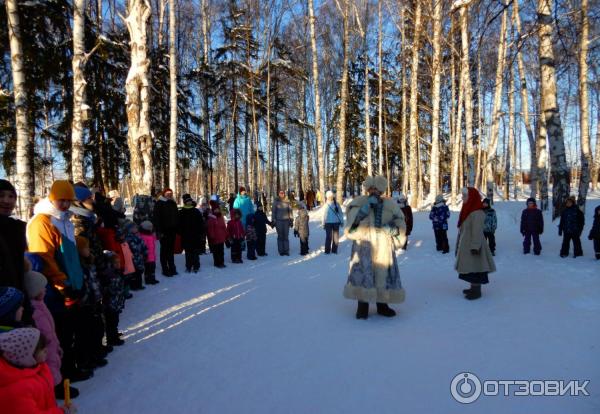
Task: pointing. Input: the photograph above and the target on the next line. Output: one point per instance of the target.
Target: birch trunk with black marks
(434, 186)
(173, 96)
(584, 116)
(78, 62)
(343, 107)
(414, 110)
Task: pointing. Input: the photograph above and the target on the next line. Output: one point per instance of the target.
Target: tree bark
(510, 153)
(173, 95)
(380, 134)
(596, 165)
(208, 181)
(139, 137)
(550, 111)
(403, 146)
(315, 74)
(497, 109)
(434, 187)
(584, 117)
(25, 182)
(414, 110)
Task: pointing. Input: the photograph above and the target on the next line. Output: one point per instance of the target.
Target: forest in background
(205, 96)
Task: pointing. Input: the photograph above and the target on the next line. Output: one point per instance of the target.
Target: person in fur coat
(376, 226)
(301, 229)
(473, 255)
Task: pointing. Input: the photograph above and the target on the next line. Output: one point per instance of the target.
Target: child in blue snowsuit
(490, 224)
(439, 215)
(532, 226)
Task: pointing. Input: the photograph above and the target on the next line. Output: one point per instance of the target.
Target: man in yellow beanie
(50, 234)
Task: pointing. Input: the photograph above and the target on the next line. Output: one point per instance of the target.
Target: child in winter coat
(217, 235)
(251, 237)
(439, 215)
(236, 235)
(260, 225)
(571, 226)
(532, 226)
(301, 228)
(191, 228)
(139, 252)
(408, 216)
(11, 308)
(89, 351)
(490, 225)
(35, 287)
(149, 238)
(127, 265)
(595, 232)
(26, 383)
(114, 297)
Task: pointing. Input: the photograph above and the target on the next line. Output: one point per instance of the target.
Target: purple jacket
(45, 323)
(532, 221)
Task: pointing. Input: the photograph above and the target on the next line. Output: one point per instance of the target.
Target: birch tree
(139, 138)
(497, 108)
(77, 154)
(436, 100)
(414, 110)
(25, 182)
(549, 109)
(315, 75)
(584, 115)
(380, 86)
(173, 94)
(344, 9)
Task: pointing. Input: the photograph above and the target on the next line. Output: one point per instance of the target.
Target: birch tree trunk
(403, 146)
(139, 137)
(434, 187)
(380, 134)
(25, 182)
(510, 153)
(496, 110)
(77, 153)
(315, 74)
(173, 94)
(465, 73)
(343, 107)
(584, 117)
(206, 108)
(525, 104)
(549, 109)
(596, 165)
(367, 105)
(414, 110)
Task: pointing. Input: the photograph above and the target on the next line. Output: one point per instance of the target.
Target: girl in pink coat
(147, 235)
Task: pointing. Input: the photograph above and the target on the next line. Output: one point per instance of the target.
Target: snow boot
(362, 311)
(384, 310)
(475, 293)
(466, 291)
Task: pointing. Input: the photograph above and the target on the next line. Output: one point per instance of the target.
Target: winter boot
(362, 311)
(384, 310)
(475, 293)
(466, 291)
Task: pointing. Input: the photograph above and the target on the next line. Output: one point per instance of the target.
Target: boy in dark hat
(191, 229)
(532, 226)
(570, 227)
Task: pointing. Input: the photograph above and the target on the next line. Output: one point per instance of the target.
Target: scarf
(473, 204)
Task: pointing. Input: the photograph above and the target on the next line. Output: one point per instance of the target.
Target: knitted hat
(5, 185)
(167, 190)
(379, 182)
(82, 193)
(82, 243)
(147, 225)
(531, 200)
(128, 225)
(486, 201)
(35, 283)
(329, 194)
(439, 199)
(10, 300)
(187, 198)
(61, 190)
(18, 346)
(572, 199)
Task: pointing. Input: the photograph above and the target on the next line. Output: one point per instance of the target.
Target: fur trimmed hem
(374, 295)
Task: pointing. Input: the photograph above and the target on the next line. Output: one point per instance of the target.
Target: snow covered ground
(276, 335)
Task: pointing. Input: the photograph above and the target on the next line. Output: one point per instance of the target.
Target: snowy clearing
(276, 335)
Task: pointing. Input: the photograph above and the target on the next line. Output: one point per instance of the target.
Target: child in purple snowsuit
(532, 226)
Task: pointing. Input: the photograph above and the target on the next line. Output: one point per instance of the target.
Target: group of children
(532, 226)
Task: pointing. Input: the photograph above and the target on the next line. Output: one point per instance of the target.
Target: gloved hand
(475, 252)
(296, 233)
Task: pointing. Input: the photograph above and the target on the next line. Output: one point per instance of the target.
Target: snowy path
(276, 335)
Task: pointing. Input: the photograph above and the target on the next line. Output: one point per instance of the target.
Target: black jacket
(260, 222)
(191, 227)
(166, 216)
(12, 250)
(572, 221)
(595, 230)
